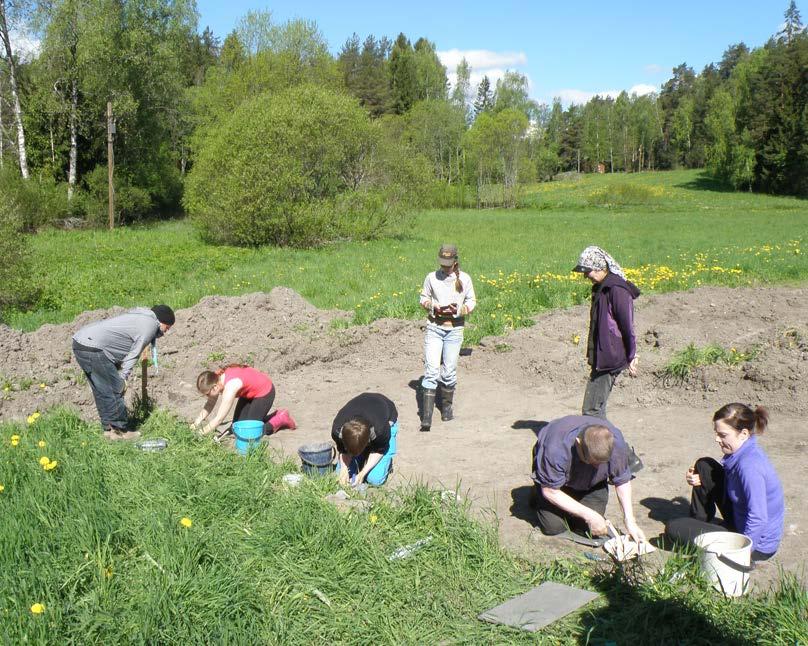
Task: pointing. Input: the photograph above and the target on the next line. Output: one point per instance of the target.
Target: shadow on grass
(141, 410)
(706, 182)
(636, 614)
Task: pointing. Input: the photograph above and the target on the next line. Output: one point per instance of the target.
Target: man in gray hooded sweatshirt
(108, 350)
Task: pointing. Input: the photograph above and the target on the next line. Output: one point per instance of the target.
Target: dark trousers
(597, 392)
(106, 384)
(255, 409)
(705, 500)
(553, 520)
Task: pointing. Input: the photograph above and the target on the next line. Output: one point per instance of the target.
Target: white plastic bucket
(725, 557)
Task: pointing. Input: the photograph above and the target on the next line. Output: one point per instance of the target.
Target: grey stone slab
(539, 607)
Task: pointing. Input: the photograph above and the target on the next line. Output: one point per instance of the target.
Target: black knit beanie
(164, 314)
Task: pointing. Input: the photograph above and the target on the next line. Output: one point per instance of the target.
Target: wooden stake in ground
(144, 381)
(111, 166)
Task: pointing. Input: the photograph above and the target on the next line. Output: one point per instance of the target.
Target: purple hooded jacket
(612, 344)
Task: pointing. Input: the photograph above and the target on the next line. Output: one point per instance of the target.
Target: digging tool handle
(144, 380)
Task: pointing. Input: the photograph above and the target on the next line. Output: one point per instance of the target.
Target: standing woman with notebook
(448, 297)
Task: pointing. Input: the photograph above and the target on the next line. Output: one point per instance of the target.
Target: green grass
(688, 235)
(684, 361)
(98, 541)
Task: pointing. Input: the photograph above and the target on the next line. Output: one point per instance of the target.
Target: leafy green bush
(131, 202)
(299, 168)
(16, 287)
(625, 194)
(37, 201)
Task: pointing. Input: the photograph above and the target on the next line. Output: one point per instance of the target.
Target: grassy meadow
(103, 544)
(671, 230)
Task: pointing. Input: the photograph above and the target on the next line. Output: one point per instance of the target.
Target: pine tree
(485, 98)
(793, 23)
(403, 77)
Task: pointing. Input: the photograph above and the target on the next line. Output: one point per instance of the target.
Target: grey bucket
(317, 458)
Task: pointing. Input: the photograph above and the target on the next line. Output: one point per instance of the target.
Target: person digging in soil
(253, 392)
(573, 460)
(448, 297)
(107, 351)
(744, 486)
(365, 431)
(611, 345)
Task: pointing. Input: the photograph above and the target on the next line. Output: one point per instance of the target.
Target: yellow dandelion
(15, 438)
(42, 386)
(14, 442)
(37, 609)
(576, 339)
(50, 466)
(186, 522)
(373, 518)
(44, 460)
(2, 488)
(41, 444)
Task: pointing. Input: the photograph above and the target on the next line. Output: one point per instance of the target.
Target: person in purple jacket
(574, 459)
(744, 486)
(611, 346)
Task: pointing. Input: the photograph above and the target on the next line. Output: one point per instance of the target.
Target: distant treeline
(172, 89)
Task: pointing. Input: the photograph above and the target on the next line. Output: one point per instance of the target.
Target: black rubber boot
(446, 399)
(428, 405)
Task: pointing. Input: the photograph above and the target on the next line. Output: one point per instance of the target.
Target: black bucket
(317, 458)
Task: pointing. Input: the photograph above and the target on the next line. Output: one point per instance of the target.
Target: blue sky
(571, 49)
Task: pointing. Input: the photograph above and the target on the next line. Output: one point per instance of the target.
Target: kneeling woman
(744, 486)
(253, 390)
(365, 431)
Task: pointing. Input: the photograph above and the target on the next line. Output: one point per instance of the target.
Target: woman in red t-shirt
(255, 394)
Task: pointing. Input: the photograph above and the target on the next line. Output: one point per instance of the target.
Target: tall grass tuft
(683, 362)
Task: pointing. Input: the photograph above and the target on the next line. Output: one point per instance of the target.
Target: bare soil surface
(506, 387)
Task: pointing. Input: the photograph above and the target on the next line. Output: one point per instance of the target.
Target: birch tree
(5, 18)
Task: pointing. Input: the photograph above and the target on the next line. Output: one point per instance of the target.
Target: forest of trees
(174, 91)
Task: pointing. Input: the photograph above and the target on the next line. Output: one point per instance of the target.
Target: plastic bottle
(408, 550)
(157, 444)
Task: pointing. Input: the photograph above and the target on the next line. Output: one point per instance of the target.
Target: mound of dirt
(506, 387)
(768, 323)
(280, 332)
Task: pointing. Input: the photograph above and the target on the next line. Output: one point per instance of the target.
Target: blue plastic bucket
(248, 434)
(317, 458)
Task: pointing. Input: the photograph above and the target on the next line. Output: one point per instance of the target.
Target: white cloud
(569, 95)
(482, 59)
(25, 46)
(641, 89)
(653, 69)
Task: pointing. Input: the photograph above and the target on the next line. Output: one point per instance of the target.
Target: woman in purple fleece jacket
(611, 346)
(744, 486)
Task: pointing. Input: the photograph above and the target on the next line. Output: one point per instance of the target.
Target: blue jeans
(106, 384)
(378, 474)
(441, 350)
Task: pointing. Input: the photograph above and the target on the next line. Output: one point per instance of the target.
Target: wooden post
(110, 164)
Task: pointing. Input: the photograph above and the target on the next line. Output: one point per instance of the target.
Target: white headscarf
(596, 258)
